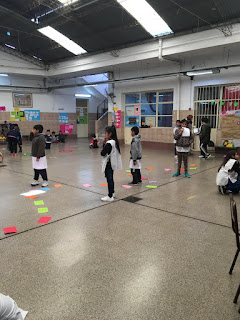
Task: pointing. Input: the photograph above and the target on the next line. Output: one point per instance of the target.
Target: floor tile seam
(182, 215)
(55, 221)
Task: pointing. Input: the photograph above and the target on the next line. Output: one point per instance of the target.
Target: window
(211, 101)
(150, 108)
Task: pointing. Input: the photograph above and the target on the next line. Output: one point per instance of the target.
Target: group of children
(53, 138)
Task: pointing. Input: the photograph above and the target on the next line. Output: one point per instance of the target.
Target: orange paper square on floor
(150, 168)
(31, 197)
(58, 185)
(104, 184)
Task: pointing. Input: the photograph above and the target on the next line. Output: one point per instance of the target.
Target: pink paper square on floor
(86, 185)
(126, 186)
(168, 169)
(10, 230)
(44, 219)
(182, 169)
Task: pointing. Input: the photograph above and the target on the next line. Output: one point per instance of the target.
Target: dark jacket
(38, 146)
(205, 134)
(183, 141)
(13, 134)
(48, 138)
(136, 148)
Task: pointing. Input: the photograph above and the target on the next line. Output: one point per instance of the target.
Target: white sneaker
(113, 195)
(107, 199)
(201, 157)
(176, 157)
(35, 183)
(45, 184)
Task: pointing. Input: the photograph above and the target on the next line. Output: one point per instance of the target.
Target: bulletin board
(231, 127)
(132, 115)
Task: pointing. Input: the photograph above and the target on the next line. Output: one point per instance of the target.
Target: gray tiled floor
(164, 257)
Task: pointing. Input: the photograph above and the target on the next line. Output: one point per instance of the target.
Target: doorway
(82, 117)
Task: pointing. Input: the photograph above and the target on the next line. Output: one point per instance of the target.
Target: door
(82, 118)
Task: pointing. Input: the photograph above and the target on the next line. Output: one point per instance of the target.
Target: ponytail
(113, 131)
(230, 155)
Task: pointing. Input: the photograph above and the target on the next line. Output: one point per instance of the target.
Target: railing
(101, 124)
(102, 108)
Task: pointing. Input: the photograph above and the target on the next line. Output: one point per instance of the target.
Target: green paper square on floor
(151, 187)
(128, 171)
(39, 203)
(42, 210)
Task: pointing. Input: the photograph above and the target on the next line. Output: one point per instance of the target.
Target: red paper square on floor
(31, 197)
(182, 169)
(10, 230)
(144, 178)
(44, 219)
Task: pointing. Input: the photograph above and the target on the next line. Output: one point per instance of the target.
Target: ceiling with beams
(102, 25)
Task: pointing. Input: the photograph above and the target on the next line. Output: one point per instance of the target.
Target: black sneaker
(222, 190)
(132, 183)
(208, 156)
(140, 181)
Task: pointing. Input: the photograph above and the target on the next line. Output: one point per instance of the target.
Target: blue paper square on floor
(45, 189)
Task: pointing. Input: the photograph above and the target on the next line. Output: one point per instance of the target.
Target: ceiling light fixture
(91, 85)
(62, 40)
(9, 46)
(80, 95)
(67, 2)
(146, 16)
(202, 72)
(3, 75)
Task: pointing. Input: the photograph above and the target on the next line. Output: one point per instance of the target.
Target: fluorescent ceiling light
(146, 16)
(3, 75)
(82, 95)
(9, 46)
(198, 73)
(62, 40)
(67, 2)
(91, 85)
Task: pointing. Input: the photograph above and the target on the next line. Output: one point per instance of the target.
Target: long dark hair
(230, 155)
(113, 131)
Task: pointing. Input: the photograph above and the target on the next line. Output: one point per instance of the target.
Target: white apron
(114, 156)
(223, 175)
(41, 164)
(9, 310)
(138, 164)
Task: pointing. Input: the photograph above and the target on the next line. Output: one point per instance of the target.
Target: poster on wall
(22, 100)
(130, 111)
(131, 121)
(137, 110)
(117, 118)
(231, 126)
(32, 115)
(17, 115)
(150, 121)
(2, 108)
(63, 117)
(82, 115)
(66, 128)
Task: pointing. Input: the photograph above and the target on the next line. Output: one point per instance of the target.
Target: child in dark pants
(48, 138)
(136, 156)
(111, 160)
(39, 160)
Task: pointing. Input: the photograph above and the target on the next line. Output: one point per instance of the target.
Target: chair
(234, 218)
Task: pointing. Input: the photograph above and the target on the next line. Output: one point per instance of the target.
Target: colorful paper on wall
(137, 110)
(66, 128)
(131, 121)
(63, 117)
(32, 115)
(2, 108)
(17, 115)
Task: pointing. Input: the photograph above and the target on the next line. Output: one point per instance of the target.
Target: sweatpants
(182, 156)
(234, 187)
(42, 172)
(110, 181)
(48, 146)
(203, 148)
(12, 144)
(137, 177)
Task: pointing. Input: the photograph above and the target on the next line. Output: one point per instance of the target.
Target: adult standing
(204, 136)
(13, 136)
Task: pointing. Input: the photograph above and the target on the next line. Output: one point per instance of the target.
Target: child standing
(184, 139)
(13, 136)
(111, 160)
(136, 156)
(48, 139)
(177, 126)
(39, 160)
(227, 176)
(204, 137)
(94, 142)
